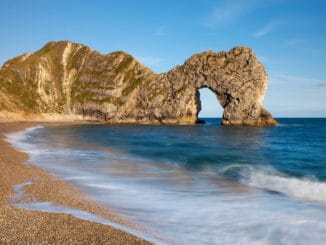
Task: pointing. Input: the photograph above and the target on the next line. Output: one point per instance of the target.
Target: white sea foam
(270, 179)
(21, 135)
(104, 186)
(79, 178)
(300, 188)
(81, 214)
(18, 139)
(19, 192)
(16, 136)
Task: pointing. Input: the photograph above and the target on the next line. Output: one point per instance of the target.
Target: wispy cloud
(314, 51)
(302, 82)
(160, 31)
(271, 26)
(293, 95)
(151, 61)
(295, 41)
(228, 11)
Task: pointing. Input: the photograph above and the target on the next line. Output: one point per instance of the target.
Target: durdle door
(68, 81)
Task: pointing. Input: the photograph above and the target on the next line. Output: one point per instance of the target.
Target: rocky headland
(65, 81)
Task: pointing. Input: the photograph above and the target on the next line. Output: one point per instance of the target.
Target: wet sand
(18, 226)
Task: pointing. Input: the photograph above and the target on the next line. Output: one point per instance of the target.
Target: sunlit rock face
(68, 81)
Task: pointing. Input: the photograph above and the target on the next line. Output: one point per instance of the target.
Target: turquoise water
(201, 184)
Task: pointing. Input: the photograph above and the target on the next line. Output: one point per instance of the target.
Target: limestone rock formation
(67, 81)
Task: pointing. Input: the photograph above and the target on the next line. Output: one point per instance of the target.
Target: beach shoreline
(24, 226)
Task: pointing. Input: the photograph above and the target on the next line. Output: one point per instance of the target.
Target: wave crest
(307, 188)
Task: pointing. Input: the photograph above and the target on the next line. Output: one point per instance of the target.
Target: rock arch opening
(209, 108)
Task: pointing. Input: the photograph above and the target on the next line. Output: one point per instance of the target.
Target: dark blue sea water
(200, 184)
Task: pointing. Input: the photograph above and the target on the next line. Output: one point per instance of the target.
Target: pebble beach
(20, 226)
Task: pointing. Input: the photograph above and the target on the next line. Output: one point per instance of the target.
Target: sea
(197, 184)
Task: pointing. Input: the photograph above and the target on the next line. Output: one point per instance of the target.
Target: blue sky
(288, 37)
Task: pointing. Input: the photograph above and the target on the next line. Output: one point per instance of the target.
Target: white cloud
(267, 29)
(292, 95)
(151, 61)
(229, 11)
(160, 31)
(295, 41)
(301, 81)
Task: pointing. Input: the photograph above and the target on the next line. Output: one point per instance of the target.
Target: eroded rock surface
(66, 80)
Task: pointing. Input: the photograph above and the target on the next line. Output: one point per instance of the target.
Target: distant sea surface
(200, 184)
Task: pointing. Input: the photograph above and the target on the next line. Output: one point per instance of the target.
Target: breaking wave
(267, 178)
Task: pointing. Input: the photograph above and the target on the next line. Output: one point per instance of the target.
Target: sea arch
(237, 78)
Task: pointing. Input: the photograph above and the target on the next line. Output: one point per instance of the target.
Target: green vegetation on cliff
(71, 79)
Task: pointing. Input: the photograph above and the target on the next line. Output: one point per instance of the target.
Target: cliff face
(64, 80)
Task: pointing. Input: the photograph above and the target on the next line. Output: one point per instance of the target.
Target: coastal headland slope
(65, 81)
